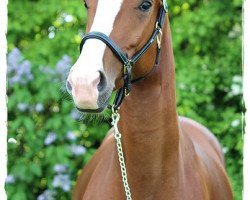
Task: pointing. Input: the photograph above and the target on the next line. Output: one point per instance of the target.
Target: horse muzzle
(89, 91)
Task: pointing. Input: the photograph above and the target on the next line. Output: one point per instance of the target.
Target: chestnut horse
(166, 156)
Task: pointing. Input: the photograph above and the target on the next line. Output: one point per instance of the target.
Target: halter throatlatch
(128, 63)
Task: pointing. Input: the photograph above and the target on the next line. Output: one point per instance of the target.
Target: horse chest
(104, 183)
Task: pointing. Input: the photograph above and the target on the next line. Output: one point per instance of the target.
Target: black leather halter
(128, 63)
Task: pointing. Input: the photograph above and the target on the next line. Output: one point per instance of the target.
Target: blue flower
(22, 107)
(14, 79)
(47, 195)
(75, 114)
(24, 68)
(10, 179)
(77, 149)
(51, 137)
(46, 70)
(63, 65)
(58, 168)
(13, 58)
(71, 136)
(39, 107)
(68, 18)
(19, 70)
(62, 181)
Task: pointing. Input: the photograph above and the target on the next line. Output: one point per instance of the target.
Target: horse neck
(149, 122)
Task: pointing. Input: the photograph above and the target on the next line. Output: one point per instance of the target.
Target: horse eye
(145, 6)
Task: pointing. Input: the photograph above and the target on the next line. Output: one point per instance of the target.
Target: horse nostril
(102, 84)
(68, 87)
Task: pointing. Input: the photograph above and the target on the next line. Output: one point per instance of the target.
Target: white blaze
(90, 59)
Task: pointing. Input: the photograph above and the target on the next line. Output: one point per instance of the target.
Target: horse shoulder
(209, 159)
(201, 136)
(87, 172)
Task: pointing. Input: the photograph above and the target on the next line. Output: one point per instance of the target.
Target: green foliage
(52, 143)
(207, 47)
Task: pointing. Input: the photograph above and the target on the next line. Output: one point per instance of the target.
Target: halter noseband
(128, 63)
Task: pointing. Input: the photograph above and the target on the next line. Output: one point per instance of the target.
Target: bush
(52, 143)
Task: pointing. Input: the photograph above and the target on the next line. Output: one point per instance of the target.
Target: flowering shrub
(19, 70)
(49, 143)
(49, 146)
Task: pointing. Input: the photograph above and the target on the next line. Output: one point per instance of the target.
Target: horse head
(124, 28)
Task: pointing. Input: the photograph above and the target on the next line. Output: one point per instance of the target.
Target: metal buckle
(127, 65)
(159, 36)
(126, 92)
(114, 110)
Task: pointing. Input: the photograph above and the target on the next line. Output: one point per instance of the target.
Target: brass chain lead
(118, 136)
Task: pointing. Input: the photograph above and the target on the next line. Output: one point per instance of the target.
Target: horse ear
(165, 5)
